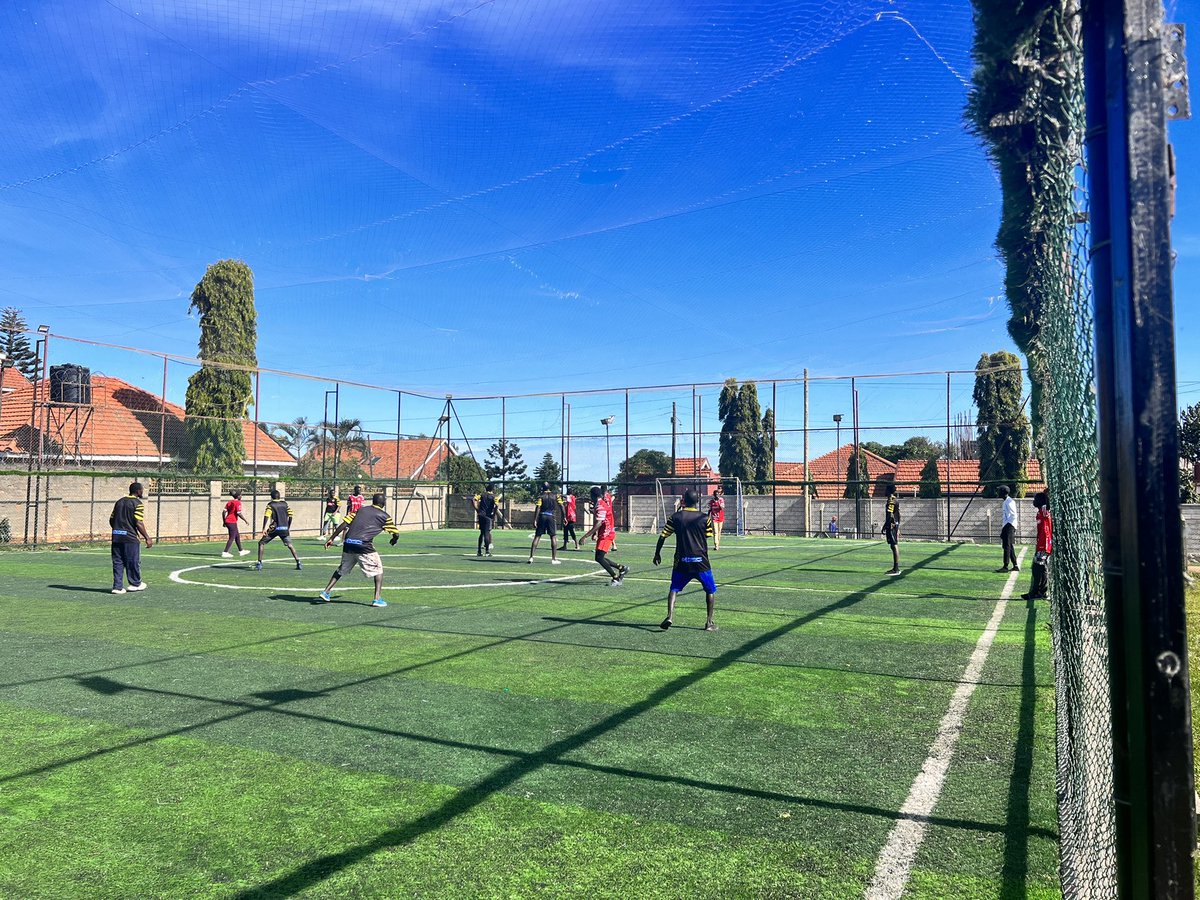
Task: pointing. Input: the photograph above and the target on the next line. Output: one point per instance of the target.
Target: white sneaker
(225, 554)
(137, 587)
(556, 562)
(118, 590)
(243, 552)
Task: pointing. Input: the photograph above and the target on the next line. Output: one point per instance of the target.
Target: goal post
(668, 493)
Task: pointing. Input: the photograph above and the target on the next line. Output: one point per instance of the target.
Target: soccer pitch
(508, 730)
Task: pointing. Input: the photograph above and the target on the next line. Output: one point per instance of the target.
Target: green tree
(858, 476)
(1025, 104)
(743, 445)
(15, 345)
(219, 394)
(464, 474)
(1003, 429)
(644, 463)
(504, 465)
(547, 471)
(298, 437)
(1189, 449)
(1189, 433)
(931, 482)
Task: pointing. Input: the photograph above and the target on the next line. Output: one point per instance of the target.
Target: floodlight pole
(805, 473)
(837, 424)
(337, 400)
(628, 501)
(1128, 159)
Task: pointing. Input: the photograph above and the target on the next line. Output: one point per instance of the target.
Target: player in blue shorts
(692, 529)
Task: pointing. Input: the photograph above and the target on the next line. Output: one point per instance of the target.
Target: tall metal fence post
(1139, 443)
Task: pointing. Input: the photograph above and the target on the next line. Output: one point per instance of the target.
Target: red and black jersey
(1045, 530)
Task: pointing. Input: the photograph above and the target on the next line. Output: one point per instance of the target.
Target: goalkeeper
(361, 528)
(692, 529)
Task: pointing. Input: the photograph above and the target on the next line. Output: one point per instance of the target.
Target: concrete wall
(76, 508)
(975, 520)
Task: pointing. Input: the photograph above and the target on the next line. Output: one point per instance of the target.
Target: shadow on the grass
(521, 763)
(76, 589)
(318, 870)
(639, 626)
(1015, 869)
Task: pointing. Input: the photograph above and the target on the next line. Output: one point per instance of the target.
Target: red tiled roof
(962, 477)
(829, 472)
(123, 424)
(789, 471)
(693, 466)
(419, 457)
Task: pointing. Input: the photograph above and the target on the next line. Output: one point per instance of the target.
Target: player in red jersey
(604, 530)
(1045, 543)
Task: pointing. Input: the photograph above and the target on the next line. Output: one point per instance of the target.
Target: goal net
(668, 497)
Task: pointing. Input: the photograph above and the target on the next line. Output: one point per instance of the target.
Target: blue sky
(481, 197)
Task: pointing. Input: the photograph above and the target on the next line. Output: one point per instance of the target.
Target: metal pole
(1139, 443)
(695, 460)
(949, 456)
(673, 463)
(337, 418)
(837, 424)
(628, 501)
(562, 442)
(807, 492)
(504, 453)
(254, 452)
(858, 467)
(162, 436)
(33, 406)
(774, 428)
(567, 461)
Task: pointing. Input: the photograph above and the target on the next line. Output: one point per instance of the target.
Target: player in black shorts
(486, 508)
(277, 523)
(545, 510)
(891, 527)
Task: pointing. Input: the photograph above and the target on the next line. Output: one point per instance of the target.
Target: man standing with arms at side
(128, 521)
(1040, 583)
(891, 527)
(358, 548)
(545, 509)
(692, 529)
(485, 515)
(1008, 529)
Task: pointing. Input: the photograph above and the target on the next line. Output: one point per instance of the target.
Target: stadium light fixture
(43, 329)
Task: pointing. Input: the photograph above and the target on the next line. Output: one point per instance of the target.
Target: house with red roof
(123, 427)
(958, 477)
(828, 472)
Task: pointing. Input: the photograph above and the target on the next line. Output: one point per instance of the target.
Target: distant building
(406, 459)
(122, 428)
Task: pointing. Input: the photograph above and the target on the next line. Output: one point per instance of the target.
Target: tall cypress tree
(744, 442)
(1003, 428)
(218, 398)
(14, 344)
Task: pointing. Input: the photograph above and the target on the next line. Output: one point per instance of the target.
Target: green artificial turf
(507, 730)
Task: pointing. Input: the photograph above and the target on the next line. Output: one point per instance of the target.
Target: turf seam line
(894, 863)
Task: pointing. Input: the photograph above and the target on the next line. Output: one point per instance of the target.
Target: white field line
(895, 861)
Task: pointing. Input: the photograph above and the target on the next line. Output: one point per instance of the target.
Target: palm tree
(347, 435)
(297, 436)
